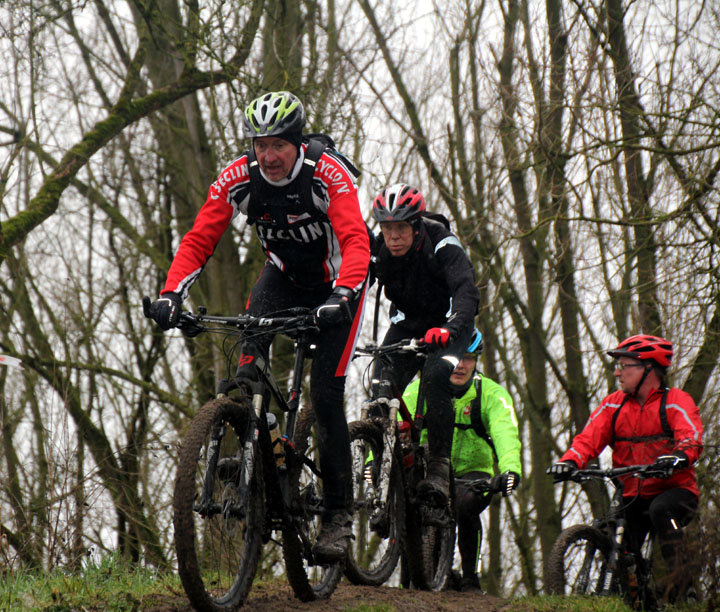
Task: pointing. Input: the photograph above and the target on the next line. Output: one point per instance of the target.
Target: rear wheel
(578, 562)
(309, 580)
(375, 549)
(218, 518)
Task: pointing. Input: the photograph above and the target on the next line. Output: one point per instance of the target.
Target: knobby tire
(429, 549)
(373, 555)
(308, 580)
(578, 561)
(218, 554)
(438, 552)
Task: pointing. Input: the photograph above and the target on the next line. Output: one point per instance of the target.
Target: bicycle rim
(217, 552)
(310, 581)
(578, 562)
(375, 549)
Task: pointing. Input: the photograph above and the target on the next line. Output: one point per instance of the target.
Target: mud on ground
(278, 597)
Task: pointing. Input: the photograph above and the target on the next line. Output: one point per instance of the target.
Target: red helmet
(398, 202)
(644, 347)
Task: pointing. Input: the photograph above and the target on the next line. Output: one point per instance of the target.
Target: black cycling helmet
(475, 348)
(476, 344)
(276, 113)
(398, 202)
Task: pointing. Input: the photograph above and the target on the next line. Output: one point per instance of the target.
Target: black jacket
(433, 285)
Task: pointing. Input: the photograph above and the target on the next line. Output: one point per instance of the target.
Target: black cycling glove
(165, 311)
(509, 482)
(563, 470)
(336, 309)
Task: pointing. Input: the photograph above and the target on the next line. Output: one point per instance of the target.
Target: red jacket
(643, 425)
(336, 252)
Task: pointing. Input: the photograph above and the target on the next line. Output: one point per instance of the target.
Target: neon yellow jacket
(470, 453)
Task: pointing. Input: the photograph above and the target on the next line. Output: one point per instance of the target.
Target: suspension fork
(613, 560)
(293, 400)
(388, 456)
(206, 507)
(291, 405)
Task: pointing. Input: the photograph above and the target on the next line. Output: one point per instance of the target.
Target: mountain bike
(594, 560)
(388, 462)
(238, 480)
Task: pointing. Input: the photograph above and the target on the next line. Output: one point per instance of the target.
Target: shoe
(436, 486)
(332, 541)
(471, 584)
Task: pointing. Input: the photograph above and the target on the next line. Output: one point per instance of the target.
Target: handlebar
(482, 485)
(410, 345)
(641, 471)
(291, 321)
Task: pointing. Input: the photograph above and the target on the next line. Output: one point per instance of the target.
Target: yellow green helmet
(273, 114)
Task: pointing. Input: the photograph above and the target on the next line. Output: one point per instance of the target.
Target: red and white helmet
(398, 202)
(644, 347)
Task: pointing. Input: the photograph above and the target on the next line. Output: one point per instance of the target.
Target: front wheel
(438, 552)
(309, 580)
(218, 512)
(577, 564)
(378, 531)
(429, 546)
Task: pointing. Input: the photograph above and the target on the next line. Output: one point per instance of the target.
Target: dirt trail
(279, 598)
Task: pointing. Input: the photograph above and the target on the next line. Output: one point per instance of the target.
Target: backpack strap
(439, 217)
(476, 422)
(313, 153)
(665, 435)
(254, 171)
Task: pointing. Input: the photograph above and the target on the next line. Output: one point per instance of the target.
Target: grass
(559, 603)
(111, 586)
(116, 586)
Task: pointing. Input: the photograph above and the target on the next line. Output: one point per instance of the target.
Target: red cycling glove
(437, 336)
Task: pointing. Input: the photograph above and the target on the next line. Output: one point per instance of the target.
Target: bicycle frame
(428, 533)
(389, 407)
(231, 491)
(302, 329)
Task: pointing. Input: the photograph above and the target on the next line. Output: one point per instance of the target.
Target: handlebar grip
(146, 301)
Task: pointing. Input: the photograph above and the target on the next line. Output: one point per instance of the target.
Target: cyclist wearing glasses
(647, 423)
(318, 250)
(430, 283)
(486, 429)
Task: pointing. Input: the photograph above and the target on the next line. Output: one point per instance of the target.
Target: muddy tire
(578, 561)
(374, 552)
(218, 547)
(309, 580)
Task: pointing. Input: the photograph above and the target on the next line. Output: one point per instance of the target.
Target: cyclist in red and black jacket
(646, 423)
(317, 248)
(430, 282)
